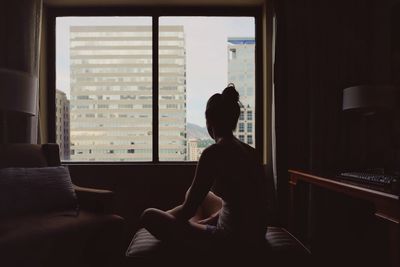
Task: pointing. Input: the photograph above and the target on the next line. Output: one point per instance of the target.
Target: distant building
(241, 72)
(193, 151)
(111, 93)
(199, 151)
(62, 124)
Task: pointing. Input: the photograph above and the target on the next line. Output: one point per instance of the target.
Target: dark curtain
(322, 47)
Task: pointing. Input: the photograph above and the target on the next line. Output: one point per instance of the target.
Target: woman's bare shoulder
(211, 151)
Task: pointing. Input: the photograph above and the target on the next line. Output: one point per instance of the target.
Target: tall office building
(63, 124)
(111, 93)
(172, 100)
(241, 72)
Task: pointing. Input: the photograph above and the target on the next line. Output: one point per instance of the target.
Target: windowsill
(129, 163)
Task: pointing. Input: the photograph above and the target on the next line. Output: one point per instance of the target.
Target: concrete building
(172, 101)
(241, 72)
(192, 150)
(111, 93)
(63, 124)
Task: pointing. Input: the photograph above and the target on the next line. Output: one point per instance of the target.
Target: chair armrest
(91, 199)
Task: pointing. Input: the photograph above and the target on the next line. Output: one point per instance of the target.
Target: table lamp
(18, 93)
(369, 99)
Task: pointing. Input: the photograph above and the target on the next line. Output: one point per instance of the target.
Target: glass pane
(104, 88)
(198, 57)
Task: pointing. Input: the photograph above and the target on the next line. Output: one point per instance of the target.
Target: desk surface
(386, 201)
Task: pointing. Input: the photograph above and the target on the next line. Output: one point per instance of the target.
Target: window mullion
(155, 89)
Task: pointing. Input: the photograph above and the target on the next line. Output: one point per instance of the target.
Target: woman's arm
(201, 185)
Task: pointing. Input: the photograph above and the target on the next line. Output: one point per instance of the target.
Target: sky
(206, 52)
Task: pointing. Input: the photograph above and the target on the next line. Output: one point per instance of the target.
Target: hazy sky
(206, 52)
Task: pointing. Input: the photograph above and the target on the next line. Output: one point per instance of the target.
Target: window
(101, 62)
(241, 127)
(250, 139)
(106, 84)
(232, 53)
(249, 115)
(249, 127)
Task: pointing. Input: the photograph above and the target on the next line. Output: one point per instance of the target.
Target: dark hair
(223, 110)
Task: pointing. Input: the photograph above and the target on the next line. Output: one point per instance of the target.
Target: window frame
(155, 13)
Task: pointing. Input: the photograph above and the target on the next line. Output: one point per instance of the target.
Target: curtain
(322, 47)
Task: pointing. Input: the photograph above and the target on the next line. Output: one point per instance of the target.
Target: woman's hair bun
(230, 94)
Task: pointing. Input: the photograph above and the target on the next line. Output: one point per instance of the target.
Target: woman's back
(239, 181)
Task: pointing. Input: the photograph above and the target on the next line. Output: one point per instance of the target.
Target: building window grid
(249, 127)
(249, 115)
(241, 127)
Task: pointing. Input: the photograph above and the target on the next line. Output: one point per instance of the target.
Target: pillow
(143, 245)
(36, 190)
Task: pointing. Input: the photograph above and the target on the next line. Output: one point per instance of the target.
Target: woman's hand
(212, 220)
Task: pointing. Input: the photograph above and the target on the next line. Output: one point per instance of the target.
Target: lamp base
(15, 127)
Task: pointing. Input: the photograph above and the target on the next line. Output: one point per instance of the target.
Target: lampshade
(18, 91)
(371, 98)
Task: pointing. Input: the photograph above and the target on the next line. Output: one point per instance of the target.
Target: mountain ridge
(195, 131)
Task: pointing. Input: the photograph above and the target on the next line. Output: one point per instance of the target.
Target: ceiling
(154, 2)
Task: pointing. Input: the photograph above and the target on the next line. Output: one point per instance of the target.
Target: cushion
(36, 190)
(143, 244)
(147, 250)
(281, 240)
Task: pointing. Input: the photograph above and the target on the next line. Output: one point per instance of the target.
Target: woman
(227, 199)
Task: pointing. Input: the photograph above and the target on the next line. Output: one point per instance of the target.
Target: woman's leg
(164, 226)
(208, 212)
(211, 204)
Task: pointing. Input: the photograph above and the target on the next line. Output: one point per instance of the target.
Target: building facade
(192, 150)
(111, 93)
(241, 72)
(63, 124)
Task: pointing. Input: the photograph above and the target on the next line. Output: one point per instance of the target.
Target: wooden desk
(386, 203)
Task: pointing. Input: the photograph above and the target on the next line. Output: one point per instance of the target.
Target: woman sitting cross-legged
(226, 202)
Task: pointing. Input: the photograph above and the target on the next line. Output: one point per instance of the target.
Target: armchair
(92, 237)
